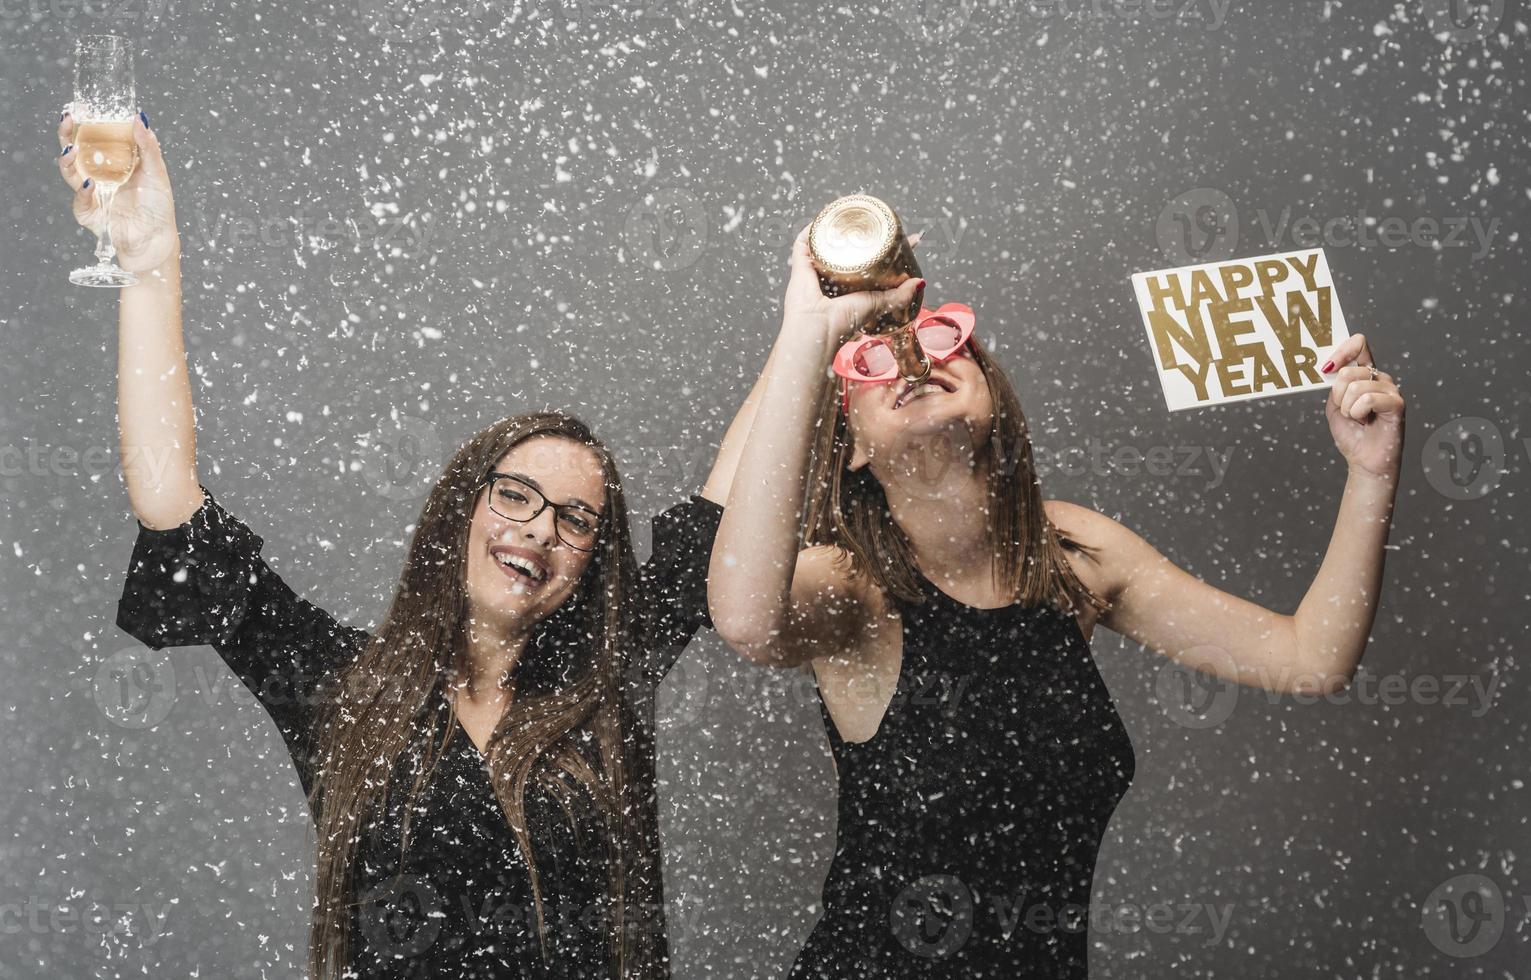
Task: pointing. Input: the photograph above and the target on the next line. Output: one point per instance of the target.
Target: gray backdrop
(401, 222)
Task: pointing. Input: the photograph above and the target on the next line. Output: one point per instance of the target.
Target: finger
(802, 256)
(150, 160)
(914, 239)
(1356, 390)
(1352, 349)
(1376, 403)
(898, 301)
(68, 170)
(66, 128)
(84, 200)
(1354, 372)
(1340, 382)
(866, 305)
(800, 243)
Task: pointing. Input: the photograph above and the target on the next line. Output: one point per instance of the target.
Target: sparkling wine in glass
(105, 103)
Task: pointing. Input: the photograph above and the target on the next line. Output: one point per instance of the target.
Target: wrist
(166, 270)
(806, 334)
(1388, 479)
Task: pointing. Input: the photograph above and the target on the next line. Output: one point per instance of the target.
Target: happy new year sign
(1240, 329)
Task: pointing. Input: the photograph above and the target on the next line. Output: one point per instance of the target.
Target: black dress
(969, 823)
(459, 903)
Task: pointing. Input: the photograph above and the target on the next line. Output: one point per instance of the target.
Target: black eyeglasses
(516, 500)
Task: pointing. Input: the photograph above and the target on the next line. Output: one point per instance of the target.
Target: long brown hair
(849, 509)
(567, 685)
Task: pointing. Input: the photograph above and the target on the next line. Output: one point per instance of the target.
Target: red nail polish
(1328, 366)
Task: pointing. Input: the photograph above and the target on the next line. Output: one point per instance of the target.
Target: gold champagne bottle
(858, 243)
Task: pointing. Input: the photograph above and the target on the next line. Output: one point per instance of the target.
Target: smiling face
(520, 572)
(889, 418)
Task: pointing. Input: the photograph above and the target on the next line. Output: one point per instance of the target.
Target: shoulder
(1109, 547)
(1084, 525)
(829, 573)
(838, 611)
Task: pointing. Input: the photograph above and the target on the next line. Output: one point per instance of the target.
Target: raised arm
(1315, 649)
(766, 601)
(720, 479)
(156, 426)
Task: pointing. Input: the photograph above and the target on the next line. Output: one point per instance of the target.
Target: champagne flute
(105, 103)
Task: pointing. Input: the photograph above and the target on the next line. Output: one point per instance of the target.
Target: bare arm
(720, 479)
(1315, 649)
(156, 425)
(770, 603)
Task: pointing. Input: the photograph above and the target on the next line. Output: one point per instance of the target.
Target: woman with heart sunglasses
(480, 769)
(888, 532)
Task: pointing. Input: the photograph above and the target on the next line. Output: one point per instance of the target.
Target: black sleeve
(672, 584)
(206, 583)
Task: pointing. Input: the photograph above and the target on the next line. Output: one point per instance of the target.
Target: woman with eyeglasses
(888, 531)
(481, 769)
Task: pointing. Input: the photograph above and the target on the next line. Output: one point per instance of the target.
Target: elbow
(1324, 678)
(1326, 667)
(1322, 684)
(750, 642)
(752, 637)
(162, 509)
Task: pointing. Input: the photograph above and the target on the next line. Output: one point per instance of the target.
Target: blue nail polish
(85, 185)
(145, 117)
(66, 149)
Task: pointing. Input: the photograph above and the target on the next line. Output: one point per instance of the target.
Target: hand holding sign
(1249, 328)
(1365, 409)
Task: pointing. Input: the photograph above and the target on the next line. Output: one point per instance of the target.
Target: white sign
(1242, 328)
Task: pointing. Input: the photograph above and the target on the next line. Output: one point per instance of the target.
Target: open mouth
(929, 386)
(520, 565)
